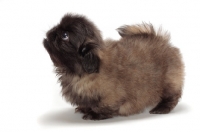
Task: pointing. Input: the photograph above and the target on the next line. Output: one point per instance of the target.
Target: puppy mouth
(45, 43)
(51, 53)
(47, 46)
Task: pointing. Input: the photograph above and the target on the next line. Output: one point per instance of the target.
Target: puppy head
(73, 45)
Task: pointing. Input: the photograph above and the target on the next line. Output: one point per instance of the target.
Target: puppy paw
(160, 110)
(82, 109)
(94, 116)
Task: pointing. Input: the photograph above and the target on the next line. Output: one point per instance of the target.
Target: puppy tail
(143, 29)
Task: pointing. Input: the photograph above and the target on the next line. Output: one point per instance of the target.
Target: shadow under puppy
(110, 78)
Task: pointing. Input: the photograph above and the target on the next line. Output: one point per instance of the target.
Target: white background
(30, 98)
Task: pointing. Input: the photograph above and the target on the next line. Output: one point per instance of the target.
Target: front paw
(82, 109)
(94, 116)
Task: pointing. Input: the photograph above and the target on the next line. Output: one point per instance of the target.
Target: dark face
(73, 43)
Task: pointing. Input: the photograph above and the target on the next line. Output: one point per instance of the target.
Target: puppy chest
(84, 93)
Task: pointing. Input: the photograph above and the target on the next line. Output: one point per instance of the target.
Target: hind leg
(168, 102)
(172, 84)
(166, 105)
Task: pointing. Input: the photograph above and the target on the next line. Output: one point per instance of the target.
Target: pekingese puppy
(106, 78)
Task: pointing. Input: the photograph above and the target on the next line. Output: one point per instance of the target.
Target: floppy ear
(90, 61)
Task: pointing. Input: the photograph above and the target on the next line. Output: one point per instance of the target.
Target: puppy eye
(64, 36)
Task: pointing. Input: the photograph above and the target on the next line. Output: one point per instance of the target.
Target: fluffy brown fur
(109, 78)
